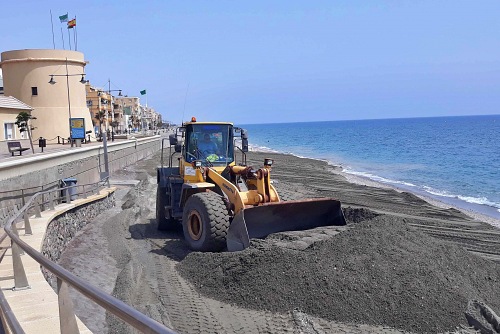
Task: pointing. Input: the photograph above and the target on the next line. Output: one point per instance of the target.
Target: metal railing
(65, 279)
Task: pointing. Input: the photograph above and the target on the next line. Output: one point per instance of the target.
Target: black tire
(162, 198)
(205, 221)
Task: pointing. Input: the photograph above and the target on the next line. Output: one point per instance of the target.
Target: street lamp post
(104, 138)
(111, 107)
(67, 75)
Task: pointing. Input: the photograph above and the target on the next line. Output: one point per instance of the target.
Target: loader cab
(211, 143)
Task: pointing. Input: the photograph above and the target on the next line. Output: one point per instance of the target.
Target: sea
(455, 160)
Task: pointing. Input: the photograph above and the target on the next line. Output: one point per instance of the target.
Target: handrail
(117, 307)
(9, 316)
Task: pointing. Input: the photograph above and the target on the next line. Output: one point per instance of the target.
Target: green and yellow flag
(63, 18)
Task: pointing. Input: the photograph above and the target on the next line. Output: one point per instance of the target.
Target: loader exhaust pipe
(260, 221)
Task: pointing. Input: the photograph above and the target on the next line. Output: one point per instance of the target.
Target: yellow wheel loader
(221, 204)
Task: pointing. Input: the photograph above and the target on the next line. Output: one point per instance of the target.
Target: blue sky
(281, 61)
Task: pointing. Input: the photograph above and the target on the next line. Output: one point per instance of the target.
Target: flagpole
(52, 25)
(69, 38)
(76, 37)
(62, 37)
(74, 34)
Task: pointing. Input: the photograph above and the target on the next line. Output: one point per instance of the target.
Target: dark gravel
(381, 271)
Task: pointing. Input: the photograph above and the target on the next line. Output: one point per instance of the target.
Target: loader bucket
(260, 221)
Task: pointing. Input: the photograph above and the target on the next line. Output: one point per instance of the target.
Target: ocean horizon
(453, 159)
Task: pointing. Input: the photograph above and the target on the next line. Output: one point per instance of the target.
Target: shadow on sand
(169, 243)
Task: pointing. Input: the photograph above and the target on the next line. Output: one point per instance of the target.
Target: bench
(15, 146)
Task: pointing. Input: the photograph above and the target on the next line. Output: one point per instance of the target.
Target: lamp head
(52, 81)
(83, 81)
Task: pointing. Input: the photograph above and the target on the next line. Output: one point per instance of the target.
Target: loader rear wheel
(205, 222)
(162, 199)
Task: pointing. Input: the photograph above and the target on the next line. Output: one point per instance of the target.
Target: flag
(143, 92)
(72, 24)
(63, 18)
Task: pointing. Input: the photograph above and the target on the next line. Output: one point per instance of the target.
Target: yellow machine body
(246, 195)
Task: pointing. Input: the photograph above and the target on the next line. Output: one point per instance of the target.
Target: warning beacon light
(268, 162)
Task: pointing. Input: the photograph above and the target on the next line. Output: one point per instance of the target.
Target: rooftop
(10, 102)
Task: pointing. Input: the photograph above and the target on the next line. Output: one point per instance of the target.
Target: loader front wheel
(205, 222)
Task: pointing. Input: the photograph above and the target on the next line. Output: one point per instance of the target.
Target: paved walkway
(54, 147)
(37, 308)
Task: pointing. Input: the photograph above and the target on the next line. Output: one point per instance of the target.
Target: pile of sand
(379, 272)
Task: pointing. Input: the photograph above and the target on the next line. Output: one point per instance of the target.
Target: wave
(426, 189)
(437, 193)
(256, 148)
(404, 185)
(468, 199)
(264, 149)
(378, 178)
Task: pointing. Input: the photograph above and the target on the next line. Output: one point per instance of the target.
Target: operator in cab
(207, 147)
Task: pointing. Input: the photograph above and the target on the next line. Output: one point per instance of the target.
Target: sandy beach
(401, 264)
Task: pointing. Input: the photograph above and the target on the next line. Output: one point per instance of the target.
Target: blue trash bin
(70, 181)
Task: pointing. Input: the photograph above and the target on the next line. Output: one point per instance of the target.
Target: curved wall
(24, 69)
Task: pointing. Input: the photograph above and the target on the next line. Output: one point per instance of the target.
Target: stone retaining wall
(63, 229)
(19, 180)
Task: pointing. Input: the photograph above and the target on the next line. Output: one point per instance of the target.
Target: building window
(34, 90)
(8, 130)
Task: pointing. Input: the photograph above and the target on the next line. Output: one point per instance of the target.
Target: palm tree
(23, 123)
(137, 122)
(114, 124)
(100, 115)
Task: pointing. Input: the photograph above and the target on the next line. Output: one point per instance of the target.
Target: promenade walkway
(54, 147)
(37, 308)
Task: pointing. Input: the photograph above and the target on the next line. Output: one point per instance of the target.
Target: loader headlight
(268, 162)
(197, 163)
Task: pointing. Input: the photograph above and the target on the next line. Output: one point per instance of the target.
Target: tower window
(34, 90)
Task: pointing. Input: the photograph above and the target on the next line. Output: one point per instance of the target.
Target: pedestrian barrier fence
(35, 206)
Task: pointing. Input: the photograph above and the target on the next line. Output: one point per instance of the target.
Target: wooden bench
(15, 146)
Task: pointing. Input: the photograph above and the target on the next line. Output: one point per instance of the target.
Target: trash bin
(42, 142)
(70, 181)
